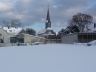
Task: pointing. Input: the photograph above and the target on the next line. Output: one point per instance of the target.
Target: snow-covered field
(48, 58)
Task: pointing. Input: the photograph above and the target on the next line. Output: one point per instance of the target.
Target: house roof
(12, 30)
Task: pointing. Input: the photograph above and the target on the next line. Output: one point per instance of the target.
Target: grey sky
(34, 11)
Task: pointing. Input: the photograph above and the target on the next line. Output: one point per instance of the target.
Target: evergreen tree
(31, 31)
(69, 29)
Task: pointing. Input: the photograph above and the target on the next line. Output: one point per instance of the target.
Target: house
(6, 34)
(14, 35)
(26, 38)
(81, 37)
(78, 37)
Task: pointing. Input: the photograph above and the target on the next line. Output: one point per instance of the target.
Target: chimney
(8, 27)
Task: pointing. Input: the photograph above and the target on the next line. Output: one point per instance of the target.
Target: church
(48, 32)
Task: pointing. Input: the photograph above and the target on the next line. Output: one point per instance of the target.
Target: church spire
(48, 15)
(48, 22)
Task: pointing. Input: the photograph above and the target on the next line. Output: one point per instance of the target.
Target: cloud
(35, 11)
(61, 24)
(94, 19)
(4, 7)
(43, 20)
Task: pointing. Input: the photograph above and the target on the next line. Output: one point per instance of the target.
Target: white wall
(5, 36)
(31, 39)
(69, 38)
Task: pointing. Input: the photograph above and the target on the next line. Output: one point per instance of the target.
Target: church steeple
(48, 15)
(48, 22)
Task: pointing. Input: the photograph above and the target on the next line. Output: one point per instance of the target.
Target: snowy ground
(48, 58)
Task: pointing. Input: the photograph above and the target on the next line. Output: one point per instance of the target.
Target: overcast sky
(32, 13)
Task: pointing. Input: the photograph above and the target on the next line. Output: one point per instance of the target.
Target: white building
(14, 35)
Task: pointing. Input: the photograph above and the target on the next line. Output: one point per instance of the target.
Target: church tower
(48, 22)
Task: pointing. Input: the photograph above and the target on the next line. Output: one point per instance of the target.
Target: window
(10, 30)
(13, 39)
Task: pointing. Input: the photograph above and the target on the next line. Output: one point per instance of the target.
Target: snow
(49, 33)
(12, 30)
(48, 58)
(37, 43)
(92, 28)
(93, 42)
(41, 31)
(49, 28)
(56, 33)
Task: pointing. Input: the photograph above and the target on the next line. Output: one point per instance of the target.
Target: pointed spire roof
(48, 15)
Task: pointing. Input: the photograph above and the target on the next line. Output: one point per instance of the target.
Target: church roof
(47, 31)
(49, 28)
(41, 31)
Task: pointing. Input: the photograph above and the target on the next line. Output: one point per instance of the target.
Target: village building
(83, 37)
(17, 35)
(48, 32)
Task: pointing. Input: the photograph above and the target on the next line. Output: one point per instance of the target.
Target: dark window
(84, 38)
(13, 39)
(94, 37)
(21, 40)
(79, 38)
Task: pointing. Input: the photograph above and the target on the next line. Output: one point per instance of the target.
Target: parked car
(37, 43)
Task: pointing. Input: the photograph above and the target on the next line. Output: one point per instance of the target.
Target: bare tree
(6, 23)
(13, 23)
(81, 20)
(16, 23)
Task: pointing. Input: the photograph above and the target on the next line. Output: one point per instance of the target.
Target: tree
(74, 29)
(81, 20)
(16, 23)
(13, 23)
(6, 23)
(68, 30)
(61, 32)
(31, 31)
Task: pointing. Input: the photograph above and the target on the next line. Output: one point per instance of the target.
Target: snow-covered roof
(12, 30)
(42, 31)
(49, 33)
(49, 28)
(56, 33)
